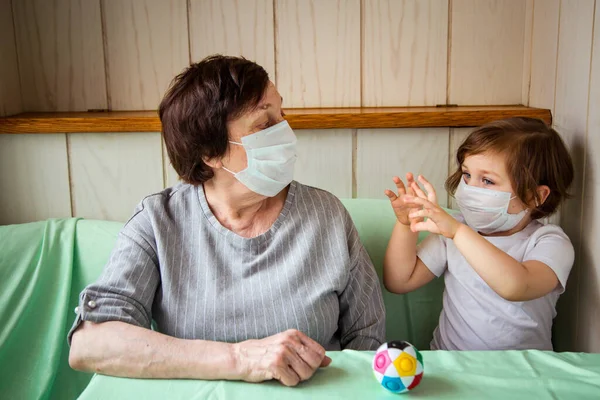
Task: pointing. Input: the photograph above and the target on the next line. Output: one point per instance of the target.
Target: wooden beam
(306, 118)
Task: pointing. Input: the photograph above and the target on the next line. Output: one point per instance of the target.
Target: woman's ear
(543, 192)
(214, 163)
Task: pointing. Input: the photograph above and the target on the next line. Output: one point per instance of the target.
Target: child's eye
(487, 182)
(466, 175)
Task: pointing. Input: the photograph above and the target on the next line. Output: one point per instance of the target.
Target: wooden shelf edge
(316, 118)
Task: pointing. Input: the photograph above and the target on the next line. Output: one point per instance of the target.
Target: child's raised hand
(401, 209)
(424, 205)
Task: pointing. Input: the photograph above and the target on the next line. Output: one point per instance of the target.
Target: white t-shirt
(474, 317)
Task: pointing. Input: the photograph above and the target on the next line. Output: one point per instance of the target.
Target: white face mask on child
(486, 210)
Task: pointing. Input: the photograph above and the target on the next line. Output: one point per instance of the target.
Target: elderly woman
(247, 274)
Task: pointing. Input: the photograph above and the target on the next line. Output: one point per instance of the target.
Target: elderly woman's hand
(290, 357)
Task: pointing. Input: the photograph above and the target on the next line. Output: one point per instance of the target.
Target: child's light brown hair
(535, 155)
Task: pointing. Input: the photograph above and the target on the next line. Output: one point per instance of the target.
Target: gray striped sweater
(174, 263)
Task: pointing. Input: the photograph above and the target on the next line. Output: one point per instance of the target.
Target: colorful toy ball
(398, 366)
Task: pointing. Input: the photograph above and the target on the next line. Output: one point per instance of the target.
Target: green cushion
(413, 316)
(36, 262)
(45, 265)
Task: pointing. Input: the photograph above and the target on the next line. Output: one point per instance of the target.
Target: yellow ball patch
(406, 365)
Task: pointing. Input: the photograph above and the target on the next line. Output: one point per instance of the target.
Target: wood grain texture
(543, 54)
(111, 173)
(326, 118)
(10, 90)
(457, 136)
(318, 52)
(325, 160)
(544, 50)
(34, 178)
(384, 153)
(486, 60)
(61, 59)
(404, 54)
(147, 45)
(588, 338)
(527, 40)
(233, 27)
(571, 109)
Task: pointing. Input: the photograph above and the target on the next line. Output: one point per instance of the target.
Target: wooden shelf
(306, 118)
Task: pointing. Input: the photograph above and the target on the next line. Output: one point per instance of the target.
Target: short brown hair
(198, 105)
(535, 155)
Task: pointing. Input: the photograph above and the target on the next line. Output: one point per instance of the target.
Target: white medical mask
(271, 157)
(486, 210)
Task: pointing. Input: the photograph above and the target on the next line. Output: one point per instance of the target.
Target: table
(510, 375)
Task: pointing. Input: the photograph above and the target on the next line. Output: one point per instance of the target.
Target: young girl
(503, 269)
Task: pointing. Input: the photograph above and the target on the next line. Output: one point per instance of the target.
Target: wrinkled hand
(289, 357)
(437, 219)
(400, 207)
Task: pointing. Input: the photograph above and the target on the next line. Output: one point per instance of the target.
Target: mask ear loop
(226, 169)
(526, 209)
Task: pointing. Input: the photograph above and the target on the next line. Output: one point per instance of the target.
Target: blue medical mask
(271, 157)
(486, 210)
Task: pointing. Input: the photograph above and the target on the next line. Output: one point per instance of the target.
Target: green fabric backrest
(45, 265)
(36, 265)
(413, 316)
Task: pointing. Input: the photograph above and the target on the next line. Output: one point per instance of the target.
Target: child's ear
(543, 192)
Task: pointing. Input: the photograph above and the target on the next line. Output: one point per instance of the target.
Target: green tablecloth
(448, 375)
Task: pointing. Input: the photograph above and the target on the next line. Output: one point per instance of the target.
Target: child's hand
(401, 209)
(438, 221)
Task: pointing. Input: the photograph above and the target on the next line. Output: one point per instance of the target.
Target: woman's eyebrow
(264, 106)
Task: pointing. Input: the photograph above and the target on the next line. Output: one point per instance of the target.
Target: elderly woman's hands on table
(289, 357)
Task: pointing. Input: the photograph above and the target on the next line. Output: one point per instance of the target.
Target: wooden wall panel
(34, 178)
(527, 43)
(61, 59)
(112, 172)
(318, 52)
(325, 160)
(486, 56)
(10, 90)
(404, 55)
(588, 337)
(147, 45)
(543, 54)
(383, 153)
(233, 27)
(570, 119)
(544, 50)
